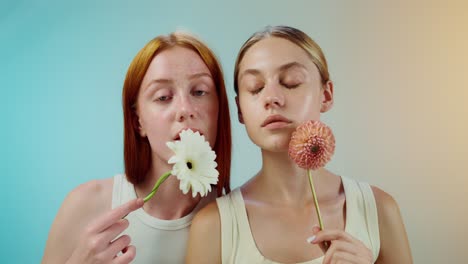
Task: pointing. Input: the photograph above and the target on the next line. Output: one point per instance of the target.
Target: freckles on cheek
(208, 108)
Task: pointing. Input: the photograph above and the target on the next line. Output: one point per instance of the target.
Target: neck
(168, 202)
(282, 181)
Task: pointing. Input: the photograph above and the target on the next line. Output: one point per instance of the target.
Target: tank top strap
(241, 212)
(235, 229)
(362, 214)
(117, 190)
(228, 234)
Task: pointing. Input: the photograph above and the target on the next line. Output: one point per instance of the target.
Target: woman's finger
(324, 245)
(128, 254)
(341, 257)
(117, 246)
(115, 229)
(338, 247)
(330, 235)
(116, 214)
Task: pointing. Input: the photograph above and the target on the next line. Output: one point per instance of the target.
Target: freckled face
(177, 93)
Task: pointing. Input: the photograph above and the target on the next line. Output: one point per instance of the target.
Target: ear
(137, 124)
(327, 97)
(239, 112)
(141, 130)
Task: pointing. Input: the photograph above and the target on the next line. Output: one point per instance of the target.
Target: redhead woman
(174, 83)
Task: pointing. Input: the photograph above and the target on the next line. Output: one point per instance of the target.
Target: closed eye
(256, 90)
(290, 85)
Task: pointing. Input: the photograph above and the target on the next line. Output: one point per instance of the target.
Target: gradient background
(400, 115)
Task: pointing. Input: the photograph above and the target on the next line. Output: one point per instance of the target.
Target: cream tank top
(238, 245)
(155, 240)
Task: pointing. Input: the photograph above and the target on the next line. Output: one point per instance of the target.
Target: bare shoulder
(388, 211)
(393, 237)
(386, 204)
(86, 201)
(207, 219)
(205, 236)
(80, 207)
(92, 195)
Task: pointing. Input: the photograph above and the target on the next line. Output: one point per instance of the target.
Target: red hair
(137, 151)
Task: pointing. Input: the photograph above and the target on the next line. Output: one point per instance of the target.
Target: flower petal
(312, 145)
(193, 148)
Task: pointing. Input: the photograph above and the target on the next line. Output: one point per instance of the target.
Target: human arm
(394, 244)
(85, 225)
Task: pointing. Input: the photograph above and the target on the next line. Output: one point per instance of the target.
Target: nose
(185, 109)
(274, 97)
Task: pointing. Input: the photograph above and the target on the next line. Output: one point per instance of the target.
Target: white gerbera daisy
(194, 163)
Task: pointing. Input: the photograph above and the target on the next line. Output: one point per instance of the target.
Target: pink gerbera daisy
(312, 145)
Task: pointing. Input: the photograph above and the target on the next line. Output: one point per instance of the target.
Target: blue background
(399, 117)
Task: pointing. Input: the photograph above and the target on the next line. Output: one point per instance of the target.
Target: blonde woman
(281, 80)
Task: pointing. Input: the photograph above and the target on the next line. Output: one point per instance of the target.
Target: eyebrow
(163, 81)
(166, 81)
(249, 71)
(199, 75)
(290, 65)
(284, 67)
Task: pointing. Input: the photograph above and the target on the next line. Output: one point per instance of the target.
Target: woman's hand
(98, 243)
(343, 248)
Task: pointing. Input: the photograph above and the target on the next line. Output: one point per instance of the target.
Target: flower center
(189, 165)
(314, 149)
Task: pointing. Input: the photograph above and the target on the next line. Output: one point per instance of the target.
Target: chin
(275, 145)
(211, 140)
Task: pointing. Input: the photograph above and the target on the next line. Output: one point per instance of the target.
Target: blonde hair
(294, 35)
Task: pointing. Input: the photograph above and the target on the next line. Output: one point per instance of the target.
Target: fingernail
(311, 239)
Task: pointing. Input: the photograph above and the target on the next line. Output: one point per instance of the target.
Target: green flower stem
(311, 181)
(156, 186)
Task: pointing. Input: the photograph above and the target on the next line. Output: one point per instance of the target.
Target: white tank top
(155, 240)
(238, 245)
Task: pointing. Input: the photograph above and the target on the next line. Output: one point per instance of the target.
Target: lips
(177, 136)
(275, 119)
